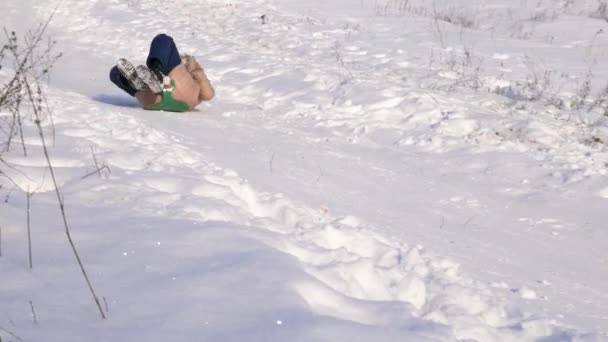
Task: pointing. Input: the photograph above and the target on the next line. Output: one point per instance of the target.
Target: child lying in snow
(169, 82)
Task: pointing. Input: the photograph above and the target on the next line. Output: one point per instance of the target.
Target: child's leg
(163, 54)
(117, 78)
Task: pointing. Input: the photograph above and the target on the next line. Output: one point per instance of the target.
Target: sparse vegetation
(602, 10)
(578, 95)
(22, 96)
(30, 59)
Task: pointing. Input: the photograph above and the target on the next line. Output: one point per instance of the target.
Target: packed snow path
(296, 204)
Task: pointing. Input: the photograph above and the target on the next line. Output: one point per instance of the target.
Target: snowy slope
(365, 173)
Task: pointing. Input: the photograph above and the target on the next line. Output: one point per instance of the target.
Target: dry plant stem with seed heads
(24, 99)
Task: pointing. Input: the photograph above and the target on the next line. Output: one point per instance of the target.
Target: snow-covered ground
(368, 171)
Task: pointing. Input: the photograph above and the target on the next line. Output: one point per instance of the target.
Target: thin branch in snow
(11, 333)
(5, 163)
(98, 171)
(33, 313)
(98, 168)
(432, 97)
(28, 196)
(8, 195)
(95, 160)
(20, 126)
(466, 223)
(437, 25)
(37, 115)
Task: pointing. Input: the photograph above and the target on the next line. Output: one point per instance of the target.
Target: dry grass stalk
(28, 196)
(31, 65)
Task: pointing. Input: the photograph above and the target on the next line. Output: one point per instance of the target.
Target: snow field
(184, 247)
(356, 274)
(343, 90)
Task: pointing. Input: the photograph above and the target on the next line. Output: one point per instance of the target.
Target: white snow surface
(366, 172)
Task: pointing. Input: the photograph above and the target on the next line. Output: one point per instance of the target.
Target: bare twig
(98, 171)
(98, 168)
(432, 97)
(28, 196)
(63, 215)
(31, 63)
(13, 124)
(33, 313)
(11, 333)
(8, 195)
(12, 168)
(437, 25)
(35, 96)
(95, 160)
(466, 223)
(20, 125)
